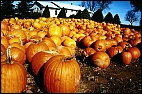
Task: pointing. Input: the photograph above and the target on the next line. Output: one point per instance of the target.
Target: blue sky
(116, 7)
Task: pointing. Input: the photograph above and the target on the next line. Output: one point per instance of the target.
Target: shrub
(97, 16)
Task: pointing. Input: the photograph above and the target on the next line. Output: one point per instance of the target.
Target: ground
(117, 78)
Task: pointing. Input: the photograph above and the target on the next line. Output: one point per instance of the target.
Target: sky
(116, 7)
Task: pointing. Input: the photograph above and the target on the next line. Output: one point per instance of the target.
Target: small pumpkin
(99, 45)
(126, 57)
(135, 52)
(101, 59)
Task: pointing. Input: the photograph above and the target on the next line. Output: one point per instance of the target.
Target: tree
(97, 16)
(62, 13)
(72, 16)
(85, 14)
(7, 8)
(93, 5)
(78, 15)
(131, 17)
(116, 19)
(46, 12)
(136, 4)
(23, 8)
(108, 18)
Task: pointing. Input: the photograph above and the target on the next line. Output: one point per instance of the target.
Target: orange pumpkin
(126, 57)
(54, 30)
(99, 45)
(101, 59)
(61, 75)
(13, 77)
(34, 48)
(65, 29)
(39, 59)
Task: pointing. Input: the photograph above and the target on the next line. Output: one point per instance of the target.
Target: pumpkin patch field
(57, 55)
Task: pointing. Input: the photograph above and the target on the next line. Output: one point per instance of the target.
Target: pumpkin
(18, 45)
(13, 76)
(99, 45)
(89, 51)
(17, 54)
(4, 41)
(126, 57)
(112, 51)
(49, 42)
(65, 29)
(34, 48)
(62, 50)
(3, 49)
(39, 59)
(57, 40)
(61, 75)
(124, 44)
(54, 30)
(86, 41)
(101, 59)
(135, 52)
(4, 26)
(69, 42)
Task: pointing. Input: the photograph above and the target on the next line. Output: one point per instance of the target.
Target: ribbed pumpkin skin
(126, 57)
(35, 48)
(13, 78)
(38, 60)
(61, 75)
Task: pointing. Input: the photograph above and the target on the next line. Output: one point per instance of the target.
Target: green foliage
(35, 15)
(108, 18)
(97, 16)
(46, 12)
(72, 16)
(23, 8)
(62, 13)
(116, 19)
(137, 5)
(85, 14)
(7, 9)
(78, 15)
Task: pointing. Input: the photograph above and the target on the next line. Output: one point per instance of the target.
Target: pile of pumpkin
(51, 42)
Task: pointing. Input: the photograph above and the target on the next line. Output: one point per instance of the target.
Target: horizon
(124, 6)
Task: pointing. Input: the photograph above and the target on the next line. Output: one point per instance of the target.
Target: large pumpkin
(61, 75)
(39, 59)
(13, 77)
(135, 52)
(34, 48)
(101, 59)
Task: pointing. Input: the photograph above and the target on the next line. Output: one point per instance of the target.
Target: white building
(55, 8)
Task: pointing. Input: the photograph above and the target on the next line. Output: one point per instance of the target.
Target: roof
(59, 5)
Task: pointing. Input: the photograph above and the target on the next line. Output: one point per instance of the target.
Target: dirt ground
(117, 78)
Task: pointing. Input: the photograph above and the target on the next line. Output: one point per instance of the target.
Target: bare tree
(131, 17)
(95, 5)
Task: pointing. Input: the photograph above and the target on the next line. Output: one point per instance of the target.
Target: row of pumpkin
(52, 41)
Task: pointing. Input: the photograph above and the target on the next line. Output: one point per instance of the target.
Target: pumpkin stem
(21, 42)
(8, 55)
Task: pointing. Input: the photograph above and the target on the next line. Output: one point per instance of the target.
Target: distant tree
(108, 18)
(93, 5)
(72, 16)
(85, 14)
(46, 12)
(23, 8)
(136, 4)
(35, 15)
(97, 16)
(62, 13)
(78, 15)
(131, 17)
(116, 19)
(7, 8)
